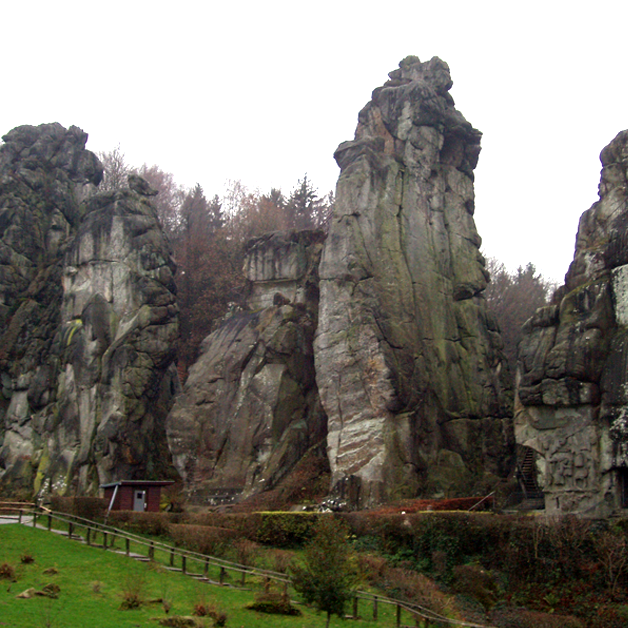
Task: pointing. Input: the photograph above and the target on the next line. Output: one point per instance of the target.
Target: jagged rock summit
(572, 406)
(88, 321)
(408, 361)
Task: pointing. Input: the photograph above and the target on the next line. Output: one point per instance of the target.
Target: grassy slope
(82, 602)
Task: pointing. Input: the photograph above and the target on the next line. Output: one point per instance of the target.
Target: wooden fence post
(151, 551)
(222, 575)
(206, 567)
(374, 608)
(70, 529)
(104, 540)
(49, 523)
(127, 546)
(355, 607)
(398, 615)
(183, 564)
(88, 536)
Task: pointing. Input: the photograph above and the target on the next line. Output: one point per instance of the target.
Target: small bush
(372, 568)
(92, 508)
(7, 572)
(606, 617)
(246, 552)
(152, 523)
(416, 588)
(284, 529)
(201, 539)
(204, 608)
(273, 603)
(280, 560)
(520, 618)
(50, 590)
(178, 621)
(133, 592)
(478, 584)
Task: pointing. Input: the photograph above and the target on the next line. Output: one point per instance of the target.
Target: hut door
(139, 500)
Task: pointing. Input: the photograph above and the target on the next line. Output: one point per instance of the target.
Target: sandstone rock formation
(250, 408)
(573, 391)
(88, 321)
(407, 359)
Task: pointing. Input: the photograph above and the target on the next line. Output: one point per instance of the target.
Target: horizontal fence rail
(105, 536)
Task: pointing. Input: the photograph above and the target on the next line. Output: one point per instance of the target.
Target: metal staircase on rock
(533, 497)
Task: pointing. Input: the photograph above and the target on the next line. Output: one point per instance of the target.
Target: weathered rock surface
(250, 408)
(88, 321)
(407, 359)
(573, 362)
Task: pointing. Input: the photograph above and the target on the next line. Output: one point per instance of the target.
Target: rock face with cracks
(250, 409)
(88, 321)
(572, 395)
(408, 361)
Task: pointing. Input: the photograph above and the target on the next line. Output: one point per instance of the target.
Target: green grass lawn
(92, 582)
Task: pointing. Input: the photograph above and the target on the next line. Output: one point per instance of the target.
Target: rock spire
(408, 360)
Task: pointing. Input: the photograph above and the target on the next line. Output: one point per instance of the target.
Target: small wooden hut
(138, 495)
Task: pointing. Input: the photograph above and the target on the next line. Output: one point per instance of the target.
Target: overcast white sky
(264, 91)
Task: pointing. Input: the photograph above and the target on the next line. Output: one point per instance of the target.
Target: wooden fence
(206, 568)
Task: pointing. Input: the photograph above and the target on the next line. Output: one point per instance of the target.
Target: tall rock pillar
(88, 321)
(407, 359)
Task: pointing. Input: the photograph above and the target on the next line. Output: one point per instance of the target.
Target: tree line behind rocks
(513, 297)
(208, 236)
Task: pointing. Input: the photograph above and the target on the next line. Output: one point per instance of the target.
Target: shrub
(245, 552)
(416, 588)
(612, 550)
(204, 608)
(93, 508)
(133, 592)
(27, 559)
(478, 584)
(152, 523)
(280, 560)
(283, 529)
(201, 539)
(372, 568)
(273, 603)
(7, 572)
(520, 618)
(606, 617)
(327, 578)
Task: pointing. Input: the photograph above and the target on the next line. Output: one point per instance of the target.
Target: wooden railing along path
(203, 567)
